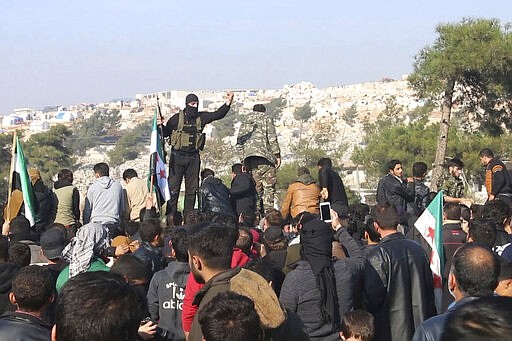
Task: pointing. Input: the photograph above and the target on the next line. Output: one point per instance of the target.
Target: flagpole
(9, 195)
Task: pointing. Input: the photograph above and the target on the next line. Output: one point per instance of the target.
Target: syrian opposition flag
(430, 225)
(158, 168)
(21, 182)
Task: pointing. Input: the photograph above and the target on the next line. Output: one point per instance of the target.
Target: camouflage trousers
(264, 174)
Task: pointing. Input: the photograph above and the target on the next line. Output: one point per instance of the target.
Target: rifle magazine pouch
(200, 141)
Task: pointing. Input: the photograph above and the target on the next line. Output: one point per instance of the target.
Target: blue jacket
(433, 328)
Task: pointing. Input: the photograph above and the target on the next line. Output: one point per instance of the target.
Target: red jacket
(192, 287)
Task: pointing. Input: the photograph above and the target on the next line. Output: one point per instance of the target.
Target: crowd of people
(238, 267)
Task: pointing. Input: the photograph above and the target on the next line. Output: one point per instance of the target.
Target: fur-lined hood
(252, 285)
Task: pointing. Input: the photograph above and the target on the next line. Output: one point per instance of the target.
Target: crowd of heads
(207, 242)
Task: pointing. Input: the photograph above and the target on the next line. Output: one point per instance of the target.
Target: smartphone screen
(325, 211)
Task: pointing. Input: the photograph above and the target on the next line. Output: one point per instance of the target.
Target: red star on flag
(162, 173)
(431, 233)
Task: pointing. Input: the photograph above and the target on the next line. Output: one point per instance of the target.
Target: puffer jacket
(302, 196)
(214, 196)
(398, 287)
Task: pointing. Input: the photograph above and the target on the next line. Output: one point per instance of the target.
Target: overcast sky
(66, 52)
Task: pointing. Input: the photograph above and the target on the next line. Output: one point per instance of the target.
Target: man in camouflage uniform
(259, 150)
(453, 185)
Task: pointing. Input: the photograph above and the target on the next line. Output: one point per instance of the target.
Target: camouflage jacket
(452, 186)
(257, 137)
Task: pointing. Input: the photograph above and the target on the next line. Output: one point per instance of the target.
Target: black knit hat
(191, 98)
(259, 107)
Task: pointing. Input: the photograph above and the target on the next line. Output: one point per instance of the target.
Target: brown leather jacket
(302, 195)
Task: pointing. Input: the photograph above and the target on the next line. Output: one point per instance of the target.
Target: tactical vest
(188, 137)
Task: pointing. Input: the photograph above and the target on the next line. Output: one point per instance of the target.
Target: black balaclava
(316, 240)
(191, 112)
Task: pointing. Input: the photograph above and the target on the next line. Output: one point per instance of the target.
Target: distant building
(26, 114)
(11, 120)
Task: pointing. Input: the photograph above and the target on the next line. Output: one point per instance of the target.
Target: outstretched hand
(230, 95)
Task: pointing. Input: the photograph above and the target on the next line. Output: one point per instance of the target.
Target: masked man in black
(185, 130)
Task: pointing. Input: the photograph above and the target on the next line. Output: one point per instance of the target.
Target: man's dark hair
(419, 169)
(476, 270)
(465, 212)
(18, 225)
(192, 217)
(129, 174)
(483, 232)
(392, 163)
(90, 295)
(206, 173)
(4, 249)
(248, 218)
(456, 163)
(149, 229)
(236, 168)
(484, 319)
(174, 219)
(33, 286)
(178, 239)
(214, 245)
(486, 152)
(373, 235)
(274, 218)
(101, 169)
(302, 171)
(451, 210)
(262, 267)
(131, 268)
(386, 216)
(65, 175)
(131, 228)
(358, 324)
(244, 241)
(325, 162)
(229, 317)
(497, 211)
(19, 254)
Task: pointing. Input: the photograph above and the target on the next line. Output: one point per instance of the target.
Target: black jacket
(214, 196)
(16, 326)
(421, 199)
(398, 287)
(398, 193)
(151, 257)
(46, 207)
(243, 193)
(7, 273)
(328, 178)
(206, 117)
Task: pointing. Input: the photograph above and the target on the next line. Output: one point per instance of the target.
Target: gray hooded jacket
(104, 203)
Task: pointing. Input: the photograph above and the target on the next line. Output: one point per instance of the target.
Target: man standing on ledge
(185, 130)
(259, 150)
(497, 178)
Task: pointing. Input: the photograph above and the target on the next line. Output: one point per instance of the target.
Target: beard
(197, 276)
